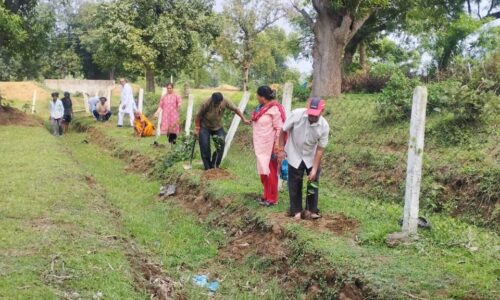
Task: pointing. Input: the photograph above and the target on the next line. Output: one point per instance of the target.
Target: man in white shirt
(56, 110)
(92, 102)
(127, 103)
(307, 138)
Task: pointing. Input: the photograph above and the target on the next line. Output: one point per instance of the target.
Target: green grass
(48, 210)
(184, 246)
(453, 260)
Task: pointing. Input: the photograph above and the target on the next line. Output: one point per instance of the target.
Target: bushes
(394, 103)
(466, 105)
(301, 92)
(364, 82)
(151, 101)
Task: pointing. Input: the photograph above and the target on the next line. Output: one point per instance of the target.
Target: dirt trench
(297, 270)
(148, 275)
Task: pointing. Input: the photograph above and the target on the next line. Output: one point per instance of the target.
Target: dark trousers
(101, 118)
(172, 137)
(211, 160)
(295, 180)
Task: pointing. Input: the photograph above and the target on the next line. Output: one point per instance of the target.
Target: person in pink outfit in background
(267, 121)
(170, 104)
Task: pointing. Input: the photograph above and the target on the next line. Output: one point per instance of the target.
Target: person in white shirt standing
(127, 103)
(307, 138)
(56, 110)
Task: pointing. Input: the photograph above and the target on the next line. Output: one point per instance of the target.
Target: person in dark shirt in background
(68, 111)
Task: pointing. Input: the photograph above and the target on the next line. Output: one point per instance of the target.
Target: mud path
(249, 236)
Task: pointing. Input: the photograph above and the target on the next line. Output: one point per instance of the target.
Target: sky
(303, 65)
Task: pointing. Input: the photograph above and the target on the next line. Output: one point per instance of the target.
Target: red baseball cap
(315, 106)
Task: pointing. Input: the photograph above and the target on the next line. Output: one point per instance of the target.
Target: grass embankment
(55, 227)
(453, 260)
(459, 178)
(76, 224)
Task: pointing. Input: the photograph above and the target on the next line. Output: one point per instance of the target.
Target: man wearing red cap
(307, 138)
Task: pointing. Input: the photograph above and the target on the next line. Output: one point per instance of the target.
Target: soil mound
(217, 174)
(13, 116)
(22, 91)
(337, 224)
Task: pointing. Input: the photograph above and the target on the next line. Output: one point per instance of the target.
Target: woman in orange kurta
(142, 126)
(267, 121)
(170, 104)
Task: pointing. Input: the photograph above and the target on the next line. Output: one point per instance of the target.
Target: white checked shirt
(304, 137)
(56, 109)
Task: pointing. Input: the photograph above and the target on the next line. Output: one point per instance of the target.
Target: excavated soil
(13, 116)
(248, 236)
(136, 162)
(337, 224)
(22, 91)
(217, 174)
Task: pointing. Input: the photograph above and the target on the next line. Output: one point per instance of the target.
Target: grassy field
(76, 224)
(453, 260)
(362, 183)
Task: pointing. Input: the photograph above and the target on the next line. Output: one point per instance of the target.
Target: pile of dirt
(251, 236)
(23, 91)
(338, 224)
(217, 174)
(13, 116)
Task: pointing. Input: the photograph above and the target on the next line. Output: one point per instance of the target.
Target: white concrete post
(141, 100)
(234, 125)
(189, 114)
(287, 97)
(109, 95)
(33, 103)
(158, 130)
(163, 91)
(415, 154)
(86, 105)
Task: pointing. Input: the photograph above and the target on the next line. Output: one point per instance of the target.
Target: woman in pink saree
(267, 121)
(170, 104)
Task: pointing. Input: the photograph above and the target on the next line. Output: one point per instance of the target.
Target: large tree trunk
(327, 58)
(112, 74)
(333, 30)
(363, 57)
(150, 80)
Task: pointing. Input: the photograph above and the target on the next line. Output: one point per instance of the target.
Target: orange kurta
(143, 127)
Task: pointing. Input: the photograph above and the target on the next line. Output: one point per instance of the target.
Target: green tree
(273, 48)
(334, 23)
(243, 22)
(152, 37)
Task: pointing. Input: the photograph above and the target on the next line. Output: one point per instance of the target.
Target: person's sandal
(266, 204)
(297, 216)
(315, 216)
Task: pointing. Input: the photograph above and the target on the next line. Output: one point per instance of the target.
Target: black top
(68, 105)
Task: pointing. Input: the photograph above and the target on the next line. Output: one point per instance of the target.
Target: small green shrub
(151, 101)
(394, 103)
(301, 92)
(181, 151)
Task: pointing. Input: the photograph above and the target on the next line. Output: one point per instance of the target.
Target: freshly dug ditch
(248, 235)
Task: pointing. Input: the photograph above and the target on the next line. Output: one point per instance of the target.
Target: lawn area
(55, 227)
(75, 224)
(361, 192)
(455, 259)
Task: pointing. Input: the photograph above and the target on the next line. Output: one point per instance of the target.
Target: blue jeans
(211, 160)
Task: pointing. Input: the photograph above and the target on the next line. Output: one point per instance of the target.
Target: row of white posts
(415, 145)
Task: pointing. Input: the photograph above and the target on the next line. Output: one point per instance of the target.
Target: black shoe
(119, 125)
